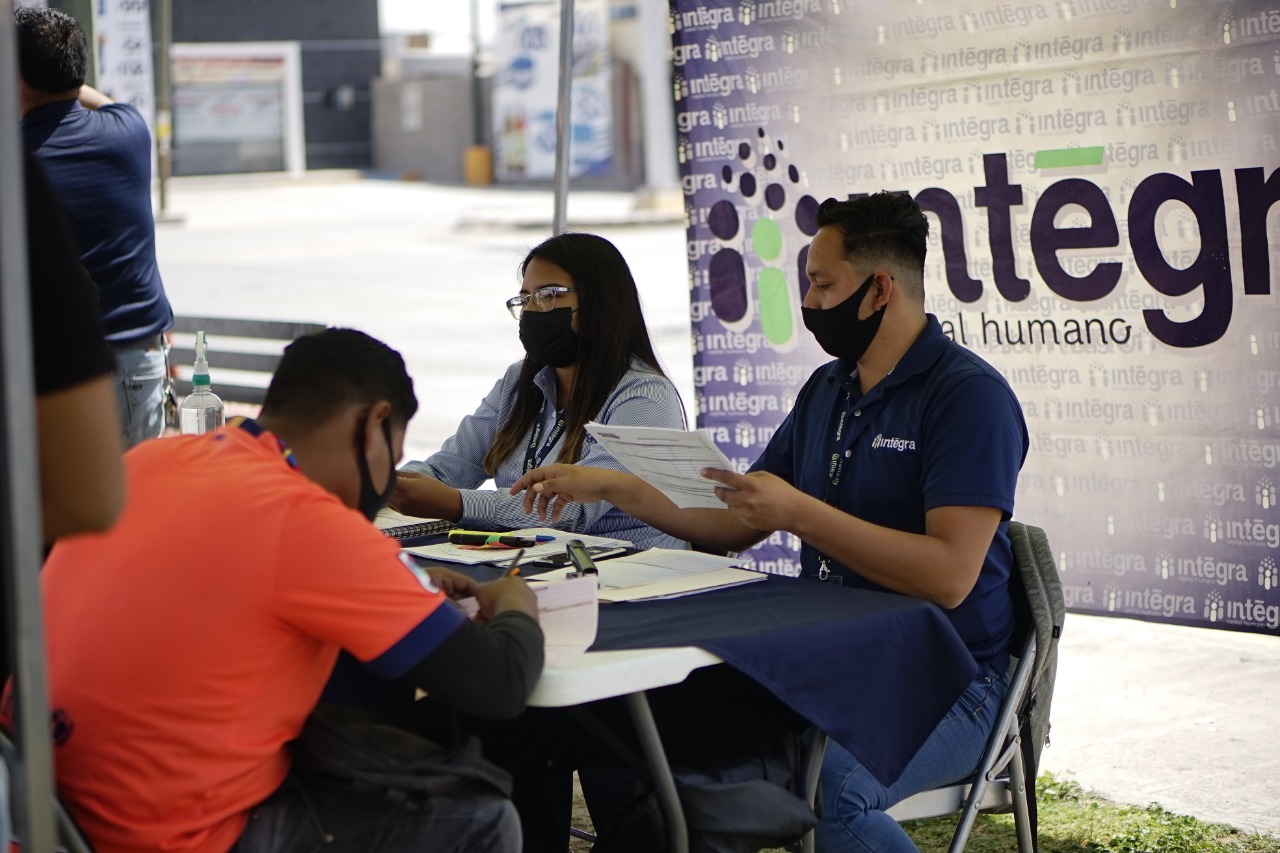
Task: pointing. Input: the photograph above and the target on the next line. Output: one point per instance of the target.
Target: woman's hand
(549, 488)
(424, 497)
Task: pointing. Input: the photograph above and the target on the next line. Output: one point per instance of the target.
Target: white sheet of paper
(662, 573)
(667, 459)
(388, 517)
(569, 615)
(646, 567)
(658, 564)
(678, 587)
(449, 553)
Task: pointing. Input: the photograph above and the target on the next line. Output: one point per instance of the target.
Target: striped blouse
(642, 398)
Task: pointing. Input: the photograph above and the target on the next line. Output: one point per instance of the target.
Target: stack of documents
(450, 553)
(663, 573)
(568, 613)
(667, 459)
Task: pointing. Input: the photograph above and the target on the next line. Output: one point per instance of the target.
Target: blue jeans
(854, 801)
(311, 812)
(141, 375)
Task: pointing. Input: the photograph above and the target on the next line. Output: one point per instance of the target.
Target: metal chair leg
(677, 830)
(815, 749)
(1021, 811)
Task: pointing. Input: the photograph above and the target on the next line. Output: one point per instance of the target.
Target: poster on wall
(526, 85)
(122, 45)
(229, 98)
(1101, 182)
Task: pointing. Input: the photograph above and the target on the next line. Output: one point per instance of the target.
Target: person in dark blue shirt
(896, 469)
(97, 155)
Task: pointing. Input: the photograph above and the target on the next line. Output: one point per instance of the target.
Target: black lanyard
(835, 470)
(532, 455)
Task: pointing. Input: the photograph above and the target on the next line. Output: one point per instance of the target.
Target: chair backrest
(243, 354)
(1005, 777)
(1038, 598)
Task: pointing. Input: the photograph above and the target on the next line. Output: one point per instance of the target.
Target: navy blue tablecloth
(875, 671)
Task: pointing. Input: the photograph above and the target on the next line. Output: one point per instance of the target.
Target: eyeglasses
(542, 299)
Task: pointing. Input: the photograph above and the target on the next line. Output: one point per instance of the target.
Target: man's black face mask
(839, 331)
(372, 500)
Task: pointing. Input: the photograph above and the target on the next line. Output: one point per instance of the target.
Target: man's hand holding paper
(759, 500)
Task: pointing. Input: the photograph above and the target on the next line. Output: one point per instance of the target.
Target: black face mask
(548, 336)
(370, 500)
(839, 331)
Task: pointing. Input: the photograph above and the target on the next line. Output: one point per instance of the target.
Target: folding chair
(1005, 778)
(70, 838)
(1000, 780)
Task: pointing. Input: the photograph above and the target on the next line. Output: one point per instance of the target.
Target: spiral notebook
(399, 526)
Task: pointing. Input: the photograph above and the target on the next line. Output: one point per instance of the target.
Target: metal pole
(477, 111)
(658, 111)
(164, 102)
(20, 524)
(564, 127)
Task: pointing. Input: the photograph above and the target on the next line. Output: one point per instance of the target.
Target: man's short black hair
(322, 374)
(53, 52)
(883, 226)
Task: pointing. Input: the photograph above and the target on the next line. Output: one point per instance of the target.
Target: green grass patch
(1075, 821)
(1072, 821)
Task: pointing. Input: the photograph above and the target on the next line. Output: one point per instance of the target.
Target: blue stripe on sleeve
(425, 637)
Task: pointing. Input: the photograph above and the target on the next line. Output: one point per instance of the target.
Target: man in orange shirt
(188, 644)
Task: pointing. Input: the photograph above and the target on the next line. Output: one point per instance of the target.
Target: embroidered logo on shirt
(898, 444)
(419, 574)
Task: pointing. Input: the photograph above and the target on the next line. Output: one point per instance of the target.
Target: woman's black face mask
(548, 336)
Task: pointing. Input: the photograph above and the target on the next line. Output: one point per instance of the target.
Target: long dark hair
(611, 331)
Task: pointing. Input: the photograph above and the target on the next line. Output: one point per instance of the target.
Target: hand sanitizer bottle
(201, 411)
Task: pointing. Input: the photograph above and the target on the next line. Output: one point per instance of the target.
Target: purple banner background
(1125, 285)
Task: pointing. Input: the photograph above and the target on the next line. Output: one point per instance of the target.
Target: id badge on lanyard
(533, 455)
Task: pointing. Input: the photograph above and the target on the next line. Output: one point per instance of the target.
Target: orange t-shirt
(188, 644)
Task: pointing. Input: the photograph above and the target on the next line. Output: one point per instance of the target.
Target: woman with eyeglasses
(588, 358)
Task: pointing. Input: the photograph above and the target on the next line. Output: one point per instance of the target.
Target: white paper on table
(649, 566)
(568, 613)
(679, 587)
(450, 553)
(667, 459)
(388, 517)
(662, 573)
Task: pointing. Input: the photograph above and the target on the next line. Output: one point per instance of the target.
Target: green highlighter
(474, 537)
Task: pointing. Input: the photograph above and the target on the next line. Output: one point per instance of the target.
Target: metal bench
(243, 354)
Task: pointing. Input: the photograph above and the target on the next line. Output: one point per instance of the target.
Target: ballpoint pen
(513, 568)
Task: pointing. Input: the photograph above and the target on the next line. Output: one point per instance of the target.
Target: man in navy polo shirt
(896, 469)
(97, 155)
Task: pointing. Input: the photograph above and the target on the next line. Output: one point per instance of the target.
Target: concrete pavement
(1142, 713)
